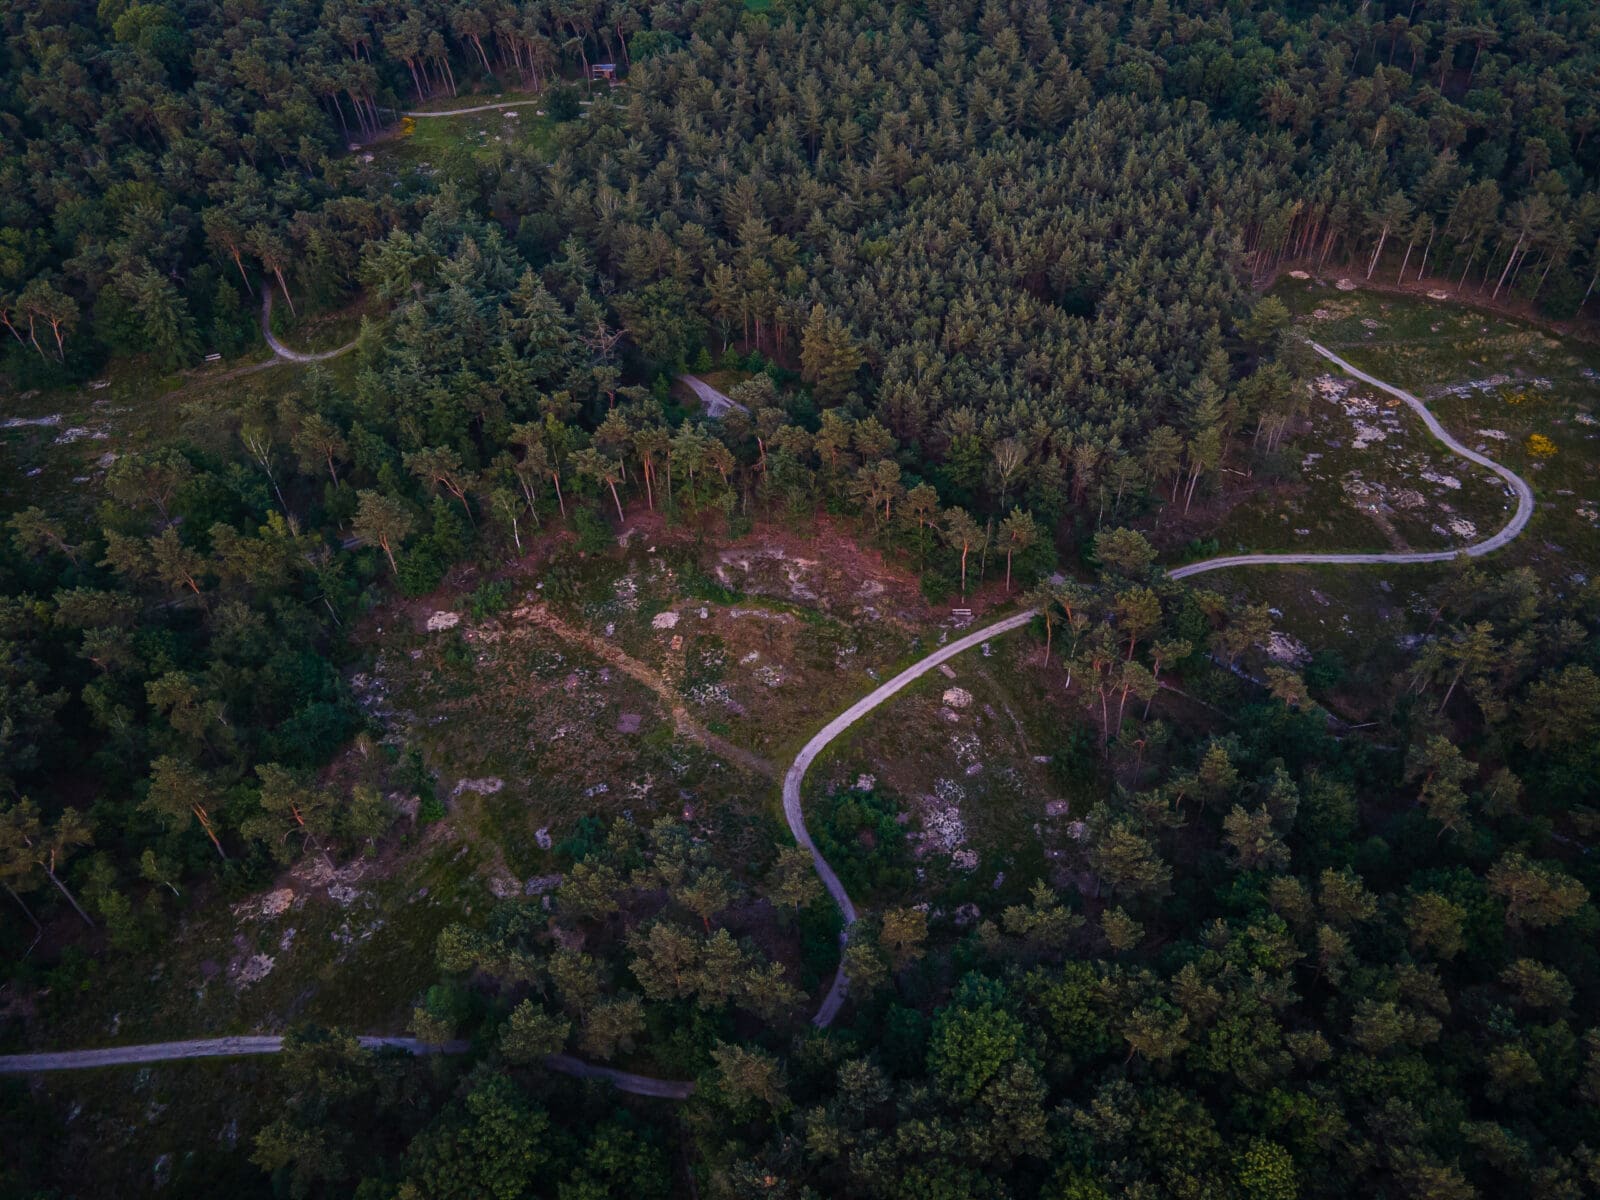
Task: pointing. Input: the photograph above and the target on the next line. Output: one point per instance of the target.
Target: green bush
(563, 103)
(594, 535)
(489, 598)
(936, 586)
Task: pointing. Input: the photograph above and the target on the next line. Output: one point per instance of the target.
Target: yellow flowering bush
(1540, 446)
(408, 126)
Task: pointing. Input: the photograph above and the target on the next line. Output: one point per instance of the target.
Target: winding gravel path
(797, 772)
(1518, 486)
(671, 1089)
(832, 1002)
(283, 352)
(237, 1047)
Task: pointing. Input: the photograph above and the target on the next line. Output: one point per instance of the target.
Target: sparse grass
(190, 1124)
(1483, 374)
(357, 963)
(983, 763)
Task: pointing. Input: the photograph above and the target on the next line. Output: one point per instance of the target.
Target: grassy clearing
(1495, 383)
(1370, 477)
(457, 146)
(54, 446)
(350, 948)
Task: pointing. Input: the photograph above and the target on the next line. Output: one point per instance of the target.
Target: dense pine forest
(991, 276)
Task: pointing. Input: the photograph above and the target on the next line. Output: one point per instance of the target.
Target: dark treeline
(1101, 175)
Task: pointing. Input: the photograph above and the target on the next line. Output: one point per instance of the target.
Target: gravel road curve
(793, 813)
(282, 351)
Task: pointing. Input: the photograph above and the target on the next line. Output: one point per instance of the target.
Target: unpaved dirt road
(235, 1047)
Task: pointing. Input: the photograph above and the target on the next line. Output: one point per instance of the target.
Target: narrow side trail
(672, 1089)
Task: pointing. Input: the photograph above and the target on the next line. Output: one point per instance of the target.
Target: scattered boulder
(664, 620)
(1283, 648)
(253, 970)
(957, 697)
(440, 621)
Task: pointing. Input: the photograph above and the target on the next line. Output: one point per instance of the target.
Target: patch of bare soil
(830, 570)
(540, 615)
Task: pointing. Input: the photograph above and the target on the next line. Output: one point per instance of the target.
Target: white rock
(254, 969)
(441, 621)
(664, 620)
(957, 697)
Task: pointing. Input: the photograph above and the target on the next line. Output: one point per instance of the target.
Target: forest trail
(791, 784)
(477, 108)
(218, 1047)
(717, 403)
(1518, 485)
(670, 1089)
(793, 813)
(283, 352)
